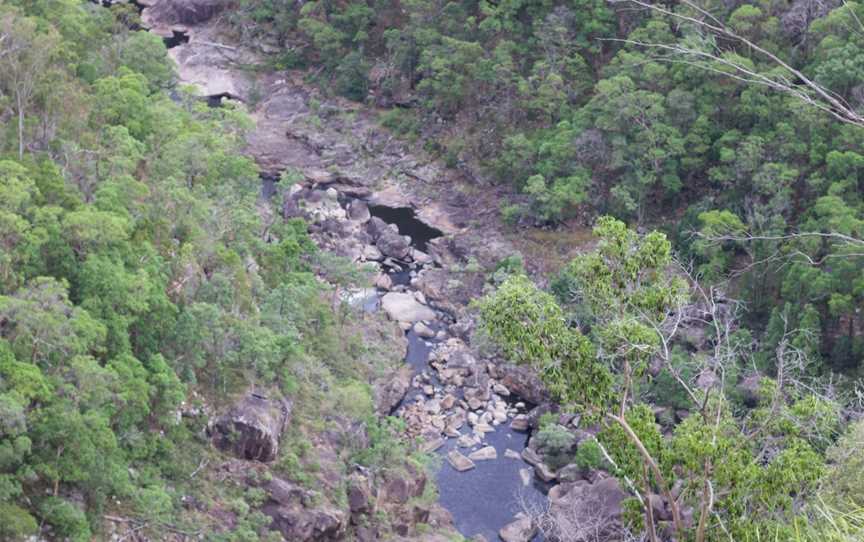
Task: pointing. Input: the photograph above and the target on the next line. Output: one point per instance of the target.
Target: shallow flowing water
(486, 498)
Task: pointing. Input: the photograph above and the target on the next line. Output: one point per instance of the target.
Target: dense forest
(732, 127)
(711, 338)
(651, 115)
(137, 285)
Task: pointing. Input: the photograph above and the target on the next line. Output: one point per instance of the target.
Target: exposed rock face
(483, 454)
(306, 525)
(187, 12)
(388, 396)
(405, 308)
(359, 211)
(524, 382)
(360, 497)
(252, 428)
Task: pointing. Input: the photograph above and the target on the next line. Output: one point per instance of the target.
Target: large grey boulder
(524, 382)
(251, 429)
(404, 307)
(392, 244)
(390, 393)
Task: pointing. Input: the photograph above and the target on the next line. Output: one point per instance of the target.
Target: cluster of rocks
(458, 399)
(350, 230)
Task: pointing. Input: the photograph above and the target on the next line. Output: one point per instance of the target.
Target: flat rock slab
(404, 308)
(483, 454)
(459, 461)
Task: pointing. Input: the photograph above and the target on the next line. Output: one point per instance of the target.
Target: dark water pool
(177, 38)
(486, 498)
(406, 220)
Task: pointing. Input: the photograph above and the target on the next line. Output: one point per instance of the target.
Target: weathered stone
(422, 330)
(185, 12)
(375, 227)
(544, 472)
(475, 403)
(360, 499)
(597, 504)
(512, 454)
(421, 257)
(452, 432)
(432, 445)
(483, 428)
(520, 530)
(404, 308)
(359, 211)
(483, 454)
(524, 382)
(466, 441)
(251, 429)
(459, 461)
(298, 523)
(392, 244)
(371, 253)
(384, 281)
(284, 492)
(448, 401)
(531, 457)
(389, 395)
(519, 423)
(501, 390)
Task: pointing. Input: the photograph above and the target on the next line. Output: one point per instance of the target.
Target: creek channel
(481, 500)
(485, 498)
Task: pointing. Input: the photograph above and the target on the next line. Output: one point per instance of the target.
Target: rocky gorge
(369, 198)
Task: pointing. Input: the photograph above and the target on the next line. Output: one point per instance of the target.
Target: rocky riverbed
(454, 403)
(369, 199)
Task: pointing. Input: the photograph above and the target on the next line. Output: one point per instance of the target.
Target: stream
(486, 498)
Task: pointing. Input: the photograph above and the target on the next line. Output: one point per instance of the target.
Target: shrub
(556, 443)
(67, 520)
(16, 523)
(589, 455)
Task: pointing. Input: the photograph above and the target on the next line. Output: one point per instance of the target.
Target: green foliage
(133, 272)
(628, 460)
(386, 443)
(557, 445)
(530, 328)
(625, 289)
(67, 520)
(589, 455)
(842, 486)
(16, 523)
